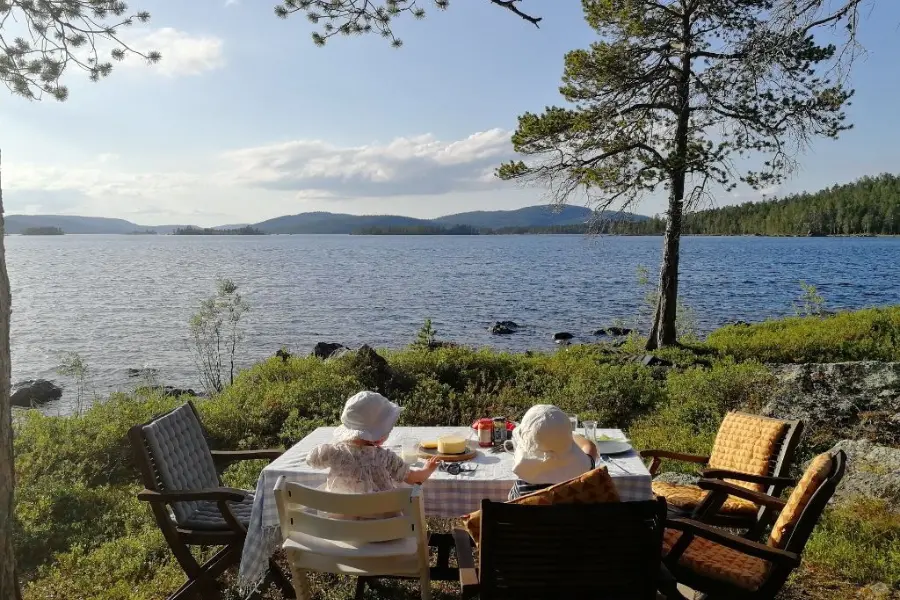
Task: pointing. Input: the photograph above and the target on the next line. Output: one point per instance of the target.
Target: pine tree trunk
(664, 332)
(9, 586)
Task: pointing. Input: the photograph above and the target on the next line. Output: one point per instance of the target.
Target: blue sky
(245, 119)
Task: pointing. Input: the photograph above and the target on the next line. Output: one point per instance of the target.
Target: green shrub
(139, 567)
(859, 541)
(872, 334)
(81, 533)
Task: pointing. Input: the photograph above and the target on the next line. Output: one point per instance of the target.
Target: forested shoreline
(868, 206)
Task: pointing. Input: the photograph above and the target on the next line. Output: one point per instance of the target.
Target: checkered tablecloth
(445, 495)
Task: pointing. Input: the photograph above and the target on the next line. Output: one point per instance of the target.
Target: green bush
(872, 334)
(81, 533)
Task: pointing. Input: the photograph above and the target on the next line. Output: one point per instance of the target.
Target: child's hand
(415, 476)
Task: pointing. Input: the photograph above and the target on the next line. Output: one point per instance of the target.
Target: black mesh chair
(610, 551)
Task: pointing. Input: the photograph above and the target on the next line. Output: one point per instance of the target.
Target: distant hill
(69, 224)
(16, 224)
(326, 222)
(535, 218)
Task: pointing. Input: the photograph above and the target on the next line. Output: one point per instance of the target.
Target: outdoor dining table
(445, 495)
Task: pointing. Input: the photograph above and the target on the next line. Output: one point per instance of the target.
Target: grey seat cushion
(182, 457)
(207, 516)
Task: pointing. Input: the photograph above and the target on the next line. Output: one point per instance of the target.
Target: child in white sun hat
(546, 451)
(356, 462)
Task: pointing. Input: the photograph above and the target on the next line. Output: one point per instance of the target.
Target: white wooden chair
(378, 546)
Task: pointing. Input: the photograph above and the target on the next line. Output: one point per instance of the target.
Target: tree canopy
(41, 39)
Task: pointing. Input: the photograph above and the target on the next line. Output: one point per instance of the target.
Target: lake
(123, 302)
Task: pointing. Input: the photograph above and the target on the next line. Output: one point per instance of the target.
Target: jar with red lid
(485, 429)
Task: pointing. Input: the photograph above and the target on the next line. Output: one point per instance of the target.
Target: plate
(613, 447)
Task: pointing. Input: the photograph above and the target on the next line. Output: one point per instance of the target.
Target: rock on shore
(34, 392)
(855, 400)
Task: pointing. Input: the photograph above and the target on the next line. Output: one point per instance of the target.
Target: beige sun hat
(544, 450)
(367, 416)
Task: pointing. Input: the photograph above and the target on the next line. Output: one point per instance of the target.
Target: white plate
(612, 447)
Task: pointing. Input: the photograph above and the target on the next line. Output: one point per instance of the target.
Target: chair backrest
(385, 515)
(173, 455)
(594, 550)
(807, 501)
(755, 445)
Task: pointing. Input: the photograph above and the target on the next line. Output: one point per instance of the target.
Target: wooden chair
(751, 451)
(723, 565)
(186, 495)
(366, 535)
(564, 550)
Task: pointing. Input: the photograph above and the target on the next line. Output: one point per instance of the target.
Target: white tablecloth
(445, 495)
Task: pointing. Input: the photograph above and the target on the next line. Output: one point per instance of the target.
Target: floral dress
(354, 469)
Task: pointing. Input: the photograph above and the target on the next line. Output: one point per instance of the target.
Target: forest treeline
(868, 206)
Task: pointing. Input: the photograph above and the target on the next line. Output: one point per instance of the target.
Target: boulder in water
(562, 336)
(34, 392)
(499, 328)
(617, 331)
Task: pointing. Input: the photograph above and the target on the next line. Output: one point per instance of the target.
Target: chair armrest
(718, 486)
(222, 494)
(658, 455)
(465, 560)
(720, 536)
(761, 479)
(226, 457)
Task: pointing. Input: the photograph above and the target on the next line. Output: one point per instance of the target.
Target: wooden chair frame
(776, 481)
(472, 583)
(201, 577)
(783, 561)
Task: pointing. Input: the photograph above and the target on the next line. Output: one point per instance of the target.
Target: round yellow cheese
(451, 444)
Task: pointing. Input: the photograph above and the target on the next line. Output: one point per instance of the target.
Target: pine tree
(673, 92)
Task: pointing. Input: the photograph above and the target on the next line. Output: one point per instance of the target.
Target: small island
(248, 230)
(42, 231)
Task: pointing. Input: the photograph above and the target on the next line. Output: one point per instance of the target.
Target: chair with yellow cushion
(723, 565)
(750, 451)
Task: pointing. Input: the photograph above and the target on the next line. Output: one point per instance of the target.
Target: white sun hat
(367, 416)
(544, 450)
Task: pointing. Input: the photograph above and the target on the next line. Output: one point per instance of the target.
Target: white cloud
(280, 178)
(419, 165)
(182, 53)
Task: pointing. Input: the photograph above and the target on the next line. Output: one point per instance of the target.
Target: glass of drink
(590, 430)
(573, 419)
(410, 451)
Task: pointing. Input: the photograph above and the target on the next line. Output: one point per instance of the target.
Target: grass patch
(871, 334)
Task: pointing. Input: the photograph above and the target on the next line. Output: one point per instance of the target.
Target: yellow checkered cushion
(689, 497)
(593, 487)
(719, 562)
(747, 444)
(816, 474)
